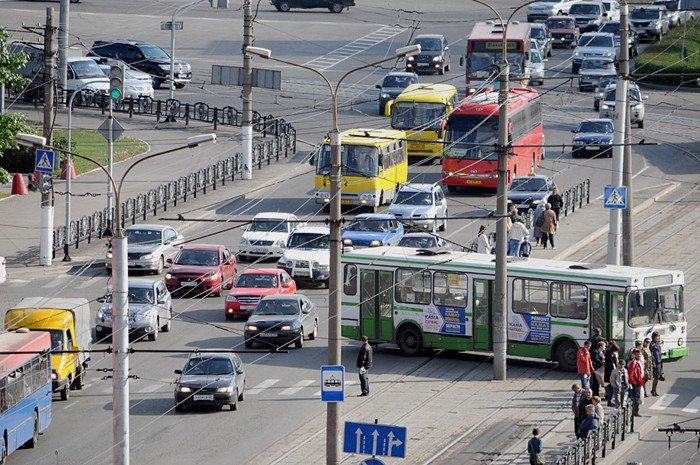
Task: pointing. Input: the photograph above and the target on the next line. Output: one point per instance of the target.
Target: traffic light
(116, 81)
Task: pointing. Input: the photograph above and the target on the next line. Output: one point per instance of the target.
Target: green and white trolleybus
(421, 299)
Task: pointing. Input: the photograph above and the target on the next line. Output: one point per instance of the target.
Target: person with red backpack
(636, 377)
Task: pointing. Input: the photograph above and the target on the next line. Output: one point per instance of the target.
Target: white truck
(540, 11)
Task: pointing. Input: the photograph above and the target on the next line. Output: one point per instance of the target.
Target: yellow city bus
(422, 110)
(374, 166)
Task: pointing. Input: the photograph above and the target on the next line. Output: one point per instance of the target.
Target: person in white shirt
(517, 234)
(482, 241)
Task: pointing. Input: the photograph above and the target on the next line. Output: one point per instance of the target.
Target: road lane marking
(60, 281)
(268, 383)
(298, 387)
(17, 282)
(161, 384)
(347, 383)
(664, 402)
(693, 406)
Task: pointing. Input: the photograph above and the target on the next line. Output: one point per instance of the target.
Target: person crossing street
(364, 363)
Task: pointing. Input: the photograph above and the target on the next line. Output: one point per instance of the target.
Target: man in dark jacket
(364, 363)
(555, 201)
(590, 423)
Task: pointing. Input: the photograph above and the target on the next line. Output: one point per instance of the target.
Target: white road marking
(347, 383)
(298, 387)
(268, 383)
(152, 388)
(693, 406)
(17, 282)
(664, 401)
(60, 281)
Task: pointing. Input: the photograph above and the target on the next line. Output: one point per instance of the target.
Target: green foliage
(4, 176)
(9, 63)
(664, 57)
(14, 158)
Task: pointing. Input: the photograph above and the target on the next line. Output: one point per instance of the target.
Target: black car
(593, 138)
(632, 39)
(210, 379)
(393, 84)
(526, 192)
(334, 6)
(281, 319)
(145, 57)
(434, 54)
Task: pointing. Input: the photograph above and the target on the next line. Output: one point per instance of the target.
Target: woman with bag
(598, 361)
(534, 448)
(657, 364)
(549, 226)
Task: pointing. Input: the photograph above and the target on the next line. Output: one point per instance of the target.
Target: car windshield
(417, 115)
(607, 6)
(606, 127)
(481, 64)
(653, 306)
(413, 198)
(560, 23)
(86, 69)
(137, 295)
(538, 33)
(428, 44)
(634, 94)
(603, 83)
(596, 41)
(584, 9)
(671, 5)
(643, 13)
(535, 57)
(418, 242)
(472, 137)
(277, 307)
(613, 28)
(257, 280)
(208, 366)
(268, 225)
(143, 236)
(598, 64)
(529, 185)
(198, 257)
(302, 240)
(398, 81)
(370, 225)
(151, 51)
(356, 160)
(56, 339)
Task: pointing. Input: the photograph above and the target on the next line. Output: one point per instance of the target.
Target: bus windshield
(417, 115)
(660, 305)
(356, 160)
(468, 132)
(487, 62)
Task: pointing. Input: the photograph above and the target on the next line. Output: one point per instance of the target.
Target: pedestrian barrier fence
(574, 196)
(600, 441)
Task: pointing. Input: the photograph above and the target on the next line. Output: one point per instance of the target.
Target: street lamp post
(333, 450)
(120, 288)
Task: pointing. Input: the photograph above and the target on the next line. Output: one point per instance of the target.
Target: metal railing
(586, 450)
(574, 196)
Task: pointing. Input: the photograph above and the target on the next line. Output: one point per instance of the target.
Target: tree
(10, 63)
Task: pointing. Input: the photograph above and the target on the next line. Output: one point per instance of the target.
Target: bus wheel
(3, 452)
(410, 341)
(566, 355)
(65, 392)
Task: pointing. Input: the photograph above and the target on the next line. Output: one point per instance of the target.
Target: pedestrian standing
(584, 366)
(648, 365)
(586, 400)
(598, 361)
(636, 376)
(517, 234)
(536, 233)
(595, 339)
(590, 423)
(555, 201)
(619, 380)
(534, 448)
(599, 408)
(549, 225)
(482, 241)
(658, 366)
(630, 353)
(364, 363)
(575, 402)
(611, 359)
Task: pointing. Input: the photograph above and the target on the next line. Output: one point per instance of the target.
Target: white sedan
(421, 206)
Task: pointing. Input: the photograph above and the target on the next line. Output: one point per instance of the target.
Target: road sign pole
(110, 156)
(247, 127)
(47, 197)
(627, 216)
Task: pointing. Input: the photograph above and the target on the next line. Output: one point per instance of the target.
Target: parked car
(612, 10)
(526, 192)
(593, 138)
(266, 236)
(334, 6)
(210, 379)
(540, 32)
(593, 70)
(393, 84)
(373, 230)
(206, 269)
(613, 27)
(150, 310)
(422, 240)
(599, 91)
(636, 100)
(254, 284)
(564, 31)
(678, 11)
(137, 84)
(307, 257)
(589, 15)
(434, 54)
(145, 57)
(594, 45)
(149, 246)
(423, 205)
(541, 11)
(537, 69)
(651, 22)
(281, 320)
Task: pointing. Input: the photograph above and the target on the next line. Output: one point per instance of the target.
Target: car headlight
(280, 243)
(184, 389)
(224, 389)
(323, 195)
(108, 255)
(637, 106)
(579, 142)
(366, 197)
(168, 276)
(605, 107)
(54, 375)
(251, 328)
(211, 276)
(100, 314)
(244, 241)
(315, 265)
(577, 53)
(324, 267)
(410, 59)
(607, 54)
(437, 58)
(375, 244)
(286, 328)
(147, 256)
(384, 95)
(164, 67)
(231, 298)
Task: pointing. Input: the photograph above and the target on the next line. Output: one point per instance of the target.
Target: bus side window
(532, 294)
(350, 286)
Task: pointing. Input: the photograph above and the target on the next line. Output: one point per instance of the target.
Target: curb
(600, 232)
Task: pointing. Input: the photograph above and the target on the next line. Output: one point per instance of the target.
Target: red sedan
(201, 267)
(254, 284)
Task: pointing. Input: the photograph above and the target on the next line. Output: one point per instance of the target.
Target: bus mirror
(461, 61)
(387, 108)
(378, 86)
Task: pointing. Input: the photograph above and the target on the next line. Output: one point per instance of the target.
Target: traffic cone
(18, 186)
(63, 170)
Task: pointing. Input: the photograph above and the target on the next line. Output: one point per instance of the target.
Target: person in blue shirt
(534, 448)
(590, 423)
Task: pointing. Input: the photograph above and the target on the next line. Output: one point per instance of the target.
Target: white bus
(419, 299)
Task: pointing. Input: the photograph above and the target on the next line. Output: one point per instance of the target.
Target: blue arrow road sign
(371, 462)
(615, 197)
(333, 383)
(44, 161)
(373, 439)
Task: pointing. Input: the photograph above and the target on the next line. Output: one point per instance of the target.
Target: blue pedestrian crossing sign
(615, 197)
(333, 383)
(373, 439)
(44, 161)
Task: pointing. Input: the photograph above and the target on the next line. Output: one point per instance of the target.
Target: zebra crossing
(672, 401)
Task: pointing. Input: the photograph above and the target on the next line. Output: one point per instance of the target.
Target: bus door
(376, 307)
(608, 314)
(483, 310)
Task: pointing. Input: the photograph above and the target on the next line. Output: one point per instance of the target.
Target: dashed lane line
(268, 383)
(298, 387)
(693, 406)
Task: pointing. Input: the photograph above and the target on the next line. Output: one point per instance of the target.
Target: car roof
(401, 74)
(417, 187)
(313, 230)
(429, 36)
(534, 176)
(274, 215)
(375, 216)
(202, 247)
(143, 282)
(591, 34)
(597, 120)
(211, 355)
(271, 271)
(149, 227)
(420, 234)
(122, 42)
(283, 297)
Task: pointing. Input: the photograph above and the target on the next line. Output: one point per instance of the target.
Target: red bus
(471, 158)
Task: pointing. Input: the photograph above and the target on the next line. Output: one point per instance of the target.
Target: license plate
(259, 251)
(188, 284)
(247, 307)
(473, 181)
(203, 397)
(423, 64)
(591, 147)
(346, 202)
(131, 263)
(269, 334)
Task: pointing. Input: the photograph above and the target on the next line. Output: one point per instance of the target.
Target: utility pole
(47, 197)
(627, 214)
(500, 329)
(110, 167)
(247, 127)
(63, 19)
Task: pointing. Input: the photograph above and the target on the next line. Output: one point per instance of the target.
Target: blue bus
(25, 388)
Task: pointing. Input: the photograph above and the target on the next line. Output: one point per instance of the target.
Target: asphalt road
(282, 387)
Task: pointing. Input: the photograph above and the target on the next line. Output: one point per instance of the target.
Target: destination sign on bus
(494, 46)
